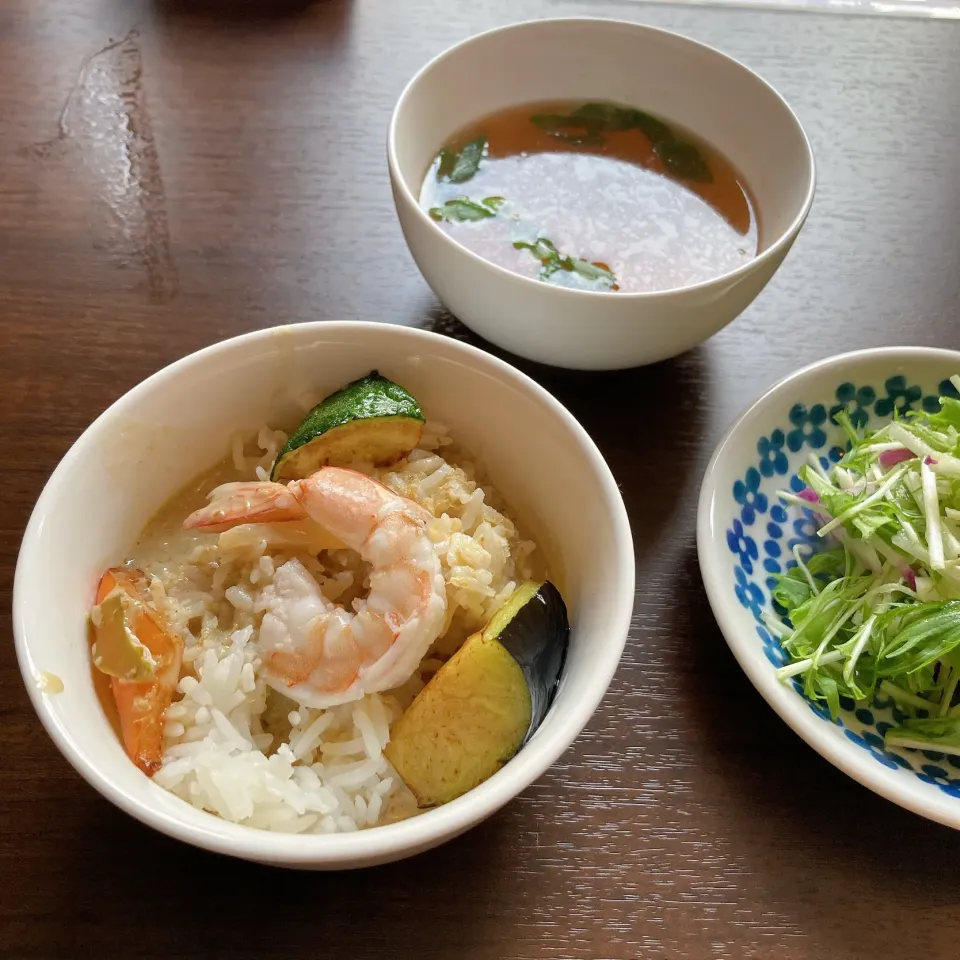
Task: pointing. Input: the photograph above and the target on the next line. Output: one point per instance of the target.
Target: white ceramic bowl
(578, 59)
(177, 423)
(744, 536)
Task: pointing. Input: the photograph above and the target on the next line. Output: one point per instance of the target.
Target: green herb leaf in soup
(552, 261)
(597, 117)
(542, 248)
(614, 117)
(448, 159)
(652, 128)
(592, 271)
(608, 116)
(467, 162)
(464, 210)
(554, 122)
(581, 131)
(681, 157)
(560, 123)
(683, 160)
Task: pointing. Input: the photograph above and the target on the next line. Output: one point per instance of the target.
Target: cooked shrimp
(240, 502)
(316, 652)
(141, 704)
(288, 535)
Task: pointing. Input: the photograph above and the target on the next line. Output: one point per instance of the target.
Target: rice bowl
(105, 492)
(235, 747)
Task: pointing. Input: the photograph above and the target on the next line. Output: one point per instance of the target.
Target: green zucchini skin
(372, 407)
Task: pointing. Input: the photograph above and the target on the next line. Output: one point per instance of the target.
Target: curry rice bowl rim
(383, 842)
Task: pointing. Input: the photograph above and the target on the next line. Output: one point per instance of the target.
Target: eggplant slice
(532, 624)
(486, 701)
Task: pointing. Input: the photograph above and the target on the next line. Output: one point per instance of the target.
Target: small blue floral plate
(746, 535)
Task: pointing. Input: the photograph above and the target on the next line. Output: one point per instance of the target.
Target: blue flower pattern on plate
(746, 493)
(940, 778)
(899, 397)
(763, 532)
(856, 402)
(807, 427)
(931, 404)
(947, 389)
(772, 458)
(745, 547)
(749, 594)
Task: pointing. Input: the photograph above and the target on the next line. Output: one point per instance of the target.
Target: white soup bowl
(680, 80)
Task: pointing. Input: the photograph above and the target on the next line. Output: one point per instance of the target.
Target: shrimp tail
(141, 706)
(232, 504)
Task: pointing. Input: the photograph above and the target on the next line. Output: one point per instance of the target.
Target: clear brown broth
(614, 203)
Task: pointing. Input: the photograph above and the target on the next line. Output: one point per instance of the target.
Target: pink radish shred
(890, 458)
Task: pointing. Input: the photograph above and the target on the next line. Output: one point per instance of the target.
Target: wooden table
(172, 173)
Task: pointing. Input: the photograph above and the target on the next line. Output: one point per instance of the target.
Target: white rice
(239, 750)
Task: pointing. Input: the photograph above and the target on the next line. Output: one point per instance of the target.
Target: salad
(878, 608)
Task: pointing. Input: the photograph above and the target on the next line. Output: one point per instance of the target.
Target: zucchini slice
(371, 419)
(485, 701)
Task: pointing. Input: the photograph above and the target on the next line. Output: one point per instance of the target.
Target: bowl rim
(771, 252)
(390, 841)
(792, 708)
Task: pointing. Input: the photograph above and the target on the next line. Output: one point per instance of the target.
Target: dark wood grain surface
(173, 172)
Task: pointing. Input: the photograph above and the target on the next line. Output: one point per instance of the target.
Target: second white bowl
(178, 423)
(578, 59)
